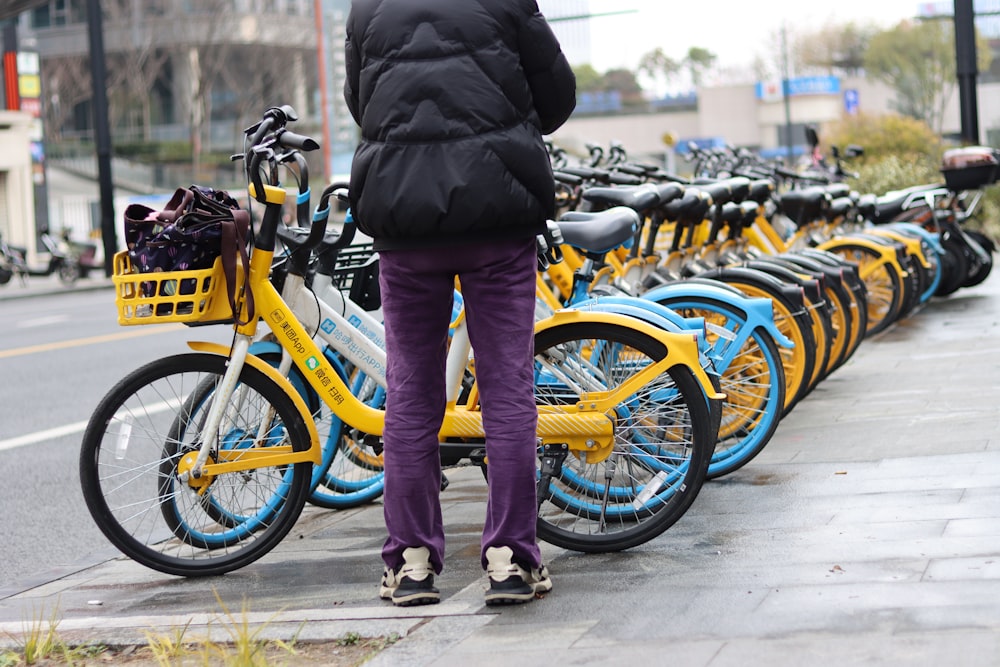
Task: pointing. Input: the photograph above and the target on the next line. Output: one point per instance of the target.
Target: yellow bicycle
(198, 464)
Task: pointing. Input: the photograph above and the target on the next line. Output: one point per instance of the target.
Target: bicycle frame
(584, 427)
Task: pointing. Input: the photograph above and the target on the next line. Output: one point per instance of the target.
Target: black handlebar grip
(297, 141)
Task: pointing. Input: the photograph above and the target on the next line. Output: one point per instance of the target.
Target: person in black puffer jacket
(451, 179)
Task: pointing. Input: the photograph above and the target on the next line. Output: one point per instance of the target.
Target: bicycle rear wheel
(663, 440)
(753, 381)
(144, 433)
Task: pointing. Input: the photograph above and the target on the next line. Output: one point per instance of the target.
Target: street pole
(324, 92)
(967, 69)
(786, 94)
(102, 132)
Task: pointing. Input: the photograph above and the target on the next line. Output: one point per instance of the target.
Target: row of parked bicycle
(679, 321)
(837, 266)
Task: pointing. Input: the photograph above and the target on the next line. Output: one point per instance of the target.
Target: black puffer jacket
(453, 97)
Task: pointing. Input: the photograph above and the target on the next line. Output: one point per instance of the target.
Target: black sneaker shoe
(509, 582)
(413, 584)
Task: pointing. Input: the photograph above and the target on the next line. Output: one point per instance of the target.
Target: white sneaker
(413, 584)
(510, 583)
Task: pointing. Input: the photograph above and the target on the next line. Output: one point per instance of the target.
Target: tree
(660, 67)
(624, 82)
(835, 48)
(899, 150)
(133, 73)
(663, 69)
(917, 60)
(698, 61)
(588, 79)
(66, 84)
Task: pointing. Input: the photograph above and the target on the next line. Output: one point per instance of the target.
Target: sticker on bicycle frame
(370, 334)
(298, 348)
(328, 325)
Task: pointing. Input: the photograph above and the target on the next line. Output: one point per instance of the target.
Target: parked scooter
(81, 256)
(14, 262)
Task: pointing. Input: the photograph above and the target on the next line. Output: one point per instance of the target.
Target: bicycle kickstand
(552, 457)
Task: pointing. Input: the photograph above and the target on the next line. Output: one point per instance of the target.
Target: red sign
(32, 105)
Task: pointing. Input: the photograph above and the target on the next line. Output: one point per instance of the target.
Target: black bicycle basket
(356, 275)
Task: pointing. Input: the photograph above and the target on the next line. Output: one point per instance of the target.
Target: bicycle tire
(128, 460)
(857, 293)
(985, 265)
(341, 480)
(839, 301)
(817, 307)
(955, 265)
(355, 476)
(69, 273)
(754, 383)
(884, 285)
(794, 322)
(649, 481)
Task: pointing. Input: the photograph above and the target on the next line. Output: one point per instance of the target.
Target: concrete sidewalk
(867, 532)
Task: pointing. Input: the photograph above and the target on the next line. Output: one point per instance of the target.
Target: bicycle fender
(602, 306)
(690, 324)
(315, 451)
(662, 316)
(886, 254)
(911, 244)
(933, 240)
(702, 289)
(759, 312)
(683, 347)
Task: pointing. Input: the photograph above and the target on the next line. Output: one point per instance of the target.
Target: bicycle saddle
(669, 192)
(760, 190)
(869, 209)
(805, 204)
(837, 190)
(726, 190)
(838, 207)
(296, 238)
(601, 175)
(731, 212)
(636, 197)
(691, 207)
(601, 231)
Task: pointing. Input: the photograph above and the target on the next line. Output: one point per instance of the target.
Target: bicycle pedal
(478, 457)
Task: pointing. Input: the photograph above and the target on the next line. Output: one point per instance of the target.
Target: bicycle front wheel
(662, 449)
(145, 432)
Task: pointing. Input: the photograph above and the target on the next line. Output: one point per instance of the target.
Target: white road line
(42, 321)
(70, 429)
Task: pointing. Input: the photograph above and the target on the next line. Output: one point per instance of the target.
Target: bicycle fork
(217, 412)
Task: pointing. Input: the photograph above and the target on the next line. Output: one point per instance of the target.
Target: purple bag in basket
(195, 227)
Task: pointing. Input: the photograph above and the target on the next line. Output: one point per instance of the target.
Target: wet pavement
(867, 532)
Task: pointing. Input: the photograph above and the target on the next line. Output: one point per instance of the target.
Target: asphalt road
(59, 354)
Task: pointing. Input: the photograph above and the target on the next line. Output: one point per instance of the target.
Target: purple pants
(498, 286)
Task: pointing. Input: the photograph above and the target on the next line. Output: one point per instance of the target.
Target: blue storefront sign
(801, 85)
